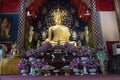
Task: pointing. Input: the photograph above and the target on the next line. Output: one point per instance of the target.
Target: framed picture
(8, 27)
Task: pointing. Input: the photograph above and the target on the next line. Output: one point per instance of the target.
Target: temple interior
(59, 37)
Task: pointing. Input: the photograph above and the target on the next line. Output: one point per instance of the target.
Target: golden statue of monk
(59, 32)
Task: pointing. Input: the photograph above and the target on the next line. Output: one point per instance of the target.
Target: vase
(31, 59)
(31, 71)
(84, 71)
(92, 71)
(24, 72)
(76, 71)
(83, 58)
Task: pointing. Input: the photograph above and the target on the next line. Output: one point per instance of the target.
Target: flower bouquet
(32, 53)
(57, 49)
(75, 62)
(44, 48)
(37, 66)
(23, 65)
(92, 63)
(84, 52)
(70, 48)
(39, 63)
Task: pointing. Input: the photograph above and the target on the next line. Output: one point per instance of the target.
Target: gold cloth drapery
(9, 66)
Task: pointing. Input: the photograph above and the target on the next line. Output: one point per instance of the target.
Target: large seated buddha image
(59, 23)
(59, 32)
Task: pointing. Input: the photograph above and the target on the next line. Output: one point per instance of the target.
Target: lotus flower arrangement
(75, 62)
(70, 48)
(57, 47)
(84, 52)
(32, 53)
(39, 63)
(91, 62)
(73, 48)
(23, 64)
(44, 48)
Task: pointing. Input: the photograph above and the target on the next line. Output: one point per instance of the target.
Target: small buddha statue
(86, 33)
(14, 51)
(58, 32)
(31, 33)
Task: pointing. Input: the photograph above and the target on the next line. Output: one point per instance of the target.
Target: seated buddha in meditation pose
(59, 33)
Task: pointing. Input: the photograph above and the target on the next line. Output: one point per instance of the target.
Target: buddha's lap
(61, 42)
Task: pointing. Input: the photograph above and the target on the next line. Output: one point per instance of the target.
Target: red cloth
(34, 8)
(82, 11)
(76, 3)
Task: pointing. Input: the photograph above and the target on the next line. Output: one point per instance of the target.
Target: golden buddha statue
(86, 33)
(59, 32)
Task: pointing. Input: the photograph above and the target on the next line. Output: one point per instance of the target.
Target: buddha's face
(58, 20)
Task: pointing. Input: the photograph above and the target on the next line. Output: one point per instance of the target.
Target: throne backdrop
(44, 20)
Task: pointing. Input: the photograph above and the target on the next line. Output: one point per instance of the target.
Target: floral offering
(92, 62)
(70, 48)
(44, 48)
(31, 53)
(39, 63)
(84, 52)
(23, 64)
(75, 62)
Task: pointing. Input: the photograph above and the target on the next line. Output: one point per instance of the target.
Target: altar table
(9, 66)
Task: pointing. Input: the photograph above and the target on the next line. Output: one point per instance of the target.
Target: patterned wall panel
(21, 26)
(97, 31)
